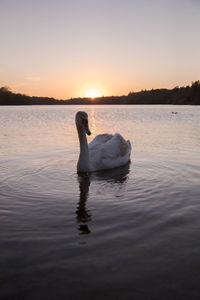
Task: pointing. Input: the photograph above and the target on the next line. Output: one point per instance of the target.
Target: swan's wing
(116, 147)
(112, 153)
(99, 140)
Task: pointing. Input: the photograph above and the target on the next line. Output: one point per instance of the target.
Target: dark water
(130, 233)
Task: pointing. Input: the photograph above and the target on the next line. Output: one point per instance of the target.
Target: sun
(93, 93)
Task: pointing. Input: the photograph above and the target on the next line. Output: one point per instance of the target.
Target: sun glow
(93, 93)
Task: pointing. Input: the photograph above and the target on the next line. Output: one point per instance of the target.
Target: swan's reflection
(117, 176)
(82, 214)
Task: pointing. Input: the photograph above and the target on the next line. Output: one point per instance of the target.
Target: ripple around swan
(133, 230)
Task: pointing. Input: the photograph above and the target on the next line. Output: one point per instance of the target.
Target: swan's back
(100, 140)
(108, 151)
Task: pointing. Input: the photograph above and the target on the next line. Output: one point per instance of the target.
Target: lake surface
(128, 233)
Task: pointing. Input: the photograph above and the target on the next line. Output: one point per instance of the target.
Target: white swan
(106, 151)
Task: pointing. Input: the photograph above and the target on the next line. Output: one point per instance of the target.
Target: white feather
(106, 151)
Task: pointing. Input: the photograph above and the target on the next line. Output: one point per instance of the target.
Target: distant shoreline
(189, 95)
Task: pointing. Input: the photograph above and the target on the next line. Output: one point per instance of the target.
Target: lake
(128, 233)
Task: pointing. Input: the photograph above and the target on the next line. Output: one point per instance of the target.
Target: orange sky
(63, 48)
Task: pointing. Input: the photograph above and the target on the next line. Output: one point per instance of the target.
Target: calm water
(130, 233)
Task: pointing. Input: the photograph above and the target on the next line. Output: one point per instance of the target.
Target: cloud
(26, 82)
(18, 85)
(33, 78)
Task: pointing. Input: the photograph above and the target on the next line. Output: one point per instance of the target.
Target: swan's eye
(85, 121)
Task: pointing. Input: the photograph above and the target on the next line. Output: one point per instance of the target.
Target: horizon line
(9, 89)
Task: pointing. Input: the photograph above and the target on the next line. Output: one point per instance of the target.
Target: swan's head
(82, 121)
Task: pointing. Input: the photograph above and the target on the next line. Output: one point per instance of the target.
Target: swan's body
(106, 151)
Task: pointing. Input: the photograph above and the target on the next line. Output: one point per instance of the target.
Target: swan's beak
(88, 131)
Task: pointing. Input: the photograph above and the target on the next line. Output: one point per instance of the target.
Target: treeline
(189, 95)
(7, 97)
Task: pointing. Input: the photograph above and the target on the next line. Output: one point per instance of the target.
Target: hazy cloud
(33, 78)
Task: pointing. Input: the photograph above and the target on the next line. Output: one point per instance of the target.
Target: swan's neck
(83, 162)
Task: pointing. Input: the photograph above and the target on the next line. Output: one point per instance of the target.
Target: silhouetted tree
(177, 95)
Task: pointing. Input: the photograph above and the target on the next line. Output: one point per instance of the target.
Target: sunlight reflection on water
(133, 230)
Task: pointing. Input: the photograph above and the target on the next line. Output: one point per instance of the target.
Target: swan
(106, 151)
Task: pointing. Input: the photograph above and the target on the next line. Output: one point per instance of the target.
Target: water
(130, 233)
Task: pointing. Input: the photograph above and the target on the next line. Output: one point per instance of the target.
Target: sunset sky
(65, 48)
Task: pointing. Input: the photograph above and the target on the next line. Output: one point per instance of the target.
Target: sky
(64, 48)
